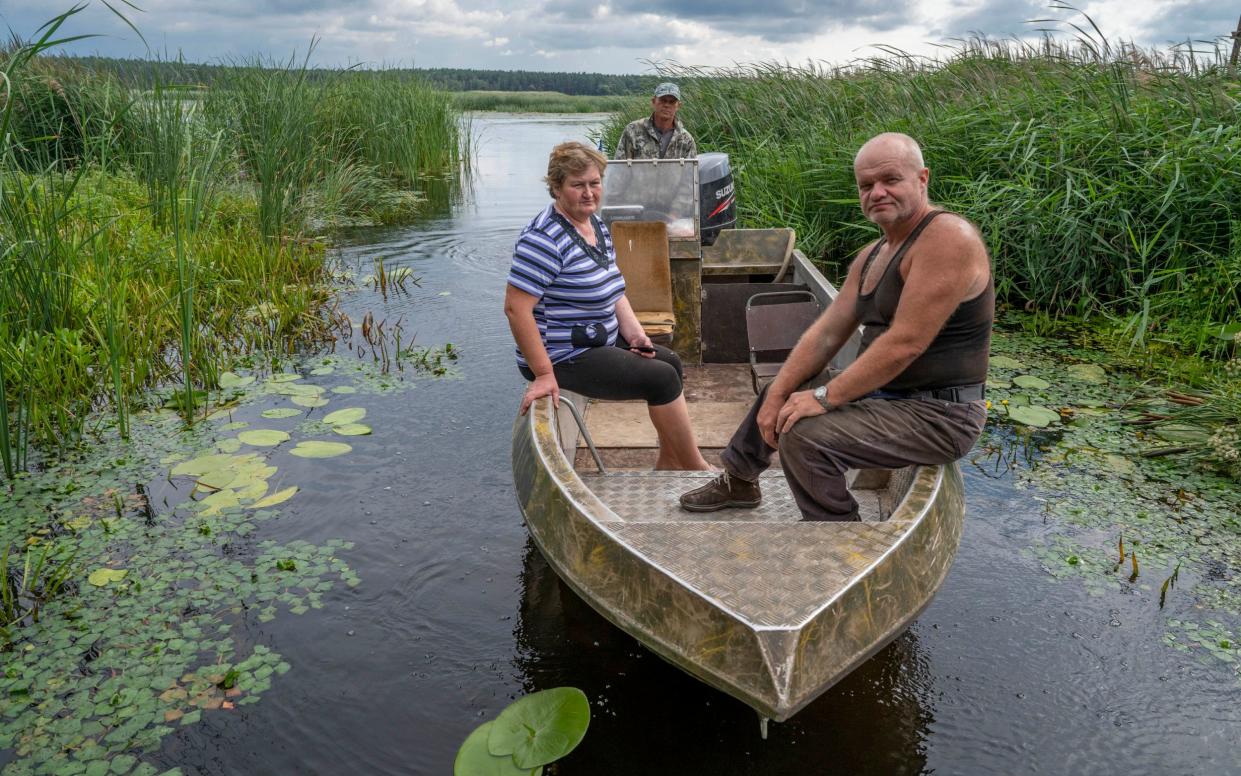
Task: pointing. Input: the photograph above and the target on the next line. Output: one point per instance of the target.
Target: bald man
(924, 295)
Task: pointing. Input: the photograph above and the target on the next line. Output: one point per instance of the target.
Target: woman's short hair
(572, 158)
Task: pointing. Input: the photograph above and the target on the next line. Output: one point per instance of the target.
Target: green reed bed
(540, 102)
(1104, 180)
(149, 237)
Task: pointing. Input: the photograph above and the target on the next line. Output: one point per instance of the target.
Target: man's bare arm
(949, 267)
(824, 338)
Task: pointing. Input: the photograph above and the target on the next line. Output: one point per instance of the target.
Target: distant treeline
(145, 73)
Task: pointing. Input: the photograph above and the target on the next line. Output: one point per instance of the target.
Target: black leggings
(616, 373)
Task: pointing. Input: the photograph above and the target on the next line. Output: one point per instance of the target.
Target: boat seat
(642, 258)
(774, 322)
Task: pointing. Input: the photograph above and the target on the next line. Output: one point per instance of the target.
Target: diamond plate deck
(776, 577)
(652, 497)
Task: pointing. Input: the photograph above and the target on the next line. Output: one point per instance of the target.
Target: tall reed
(145, 239)
(270, 114)
(1105, 178)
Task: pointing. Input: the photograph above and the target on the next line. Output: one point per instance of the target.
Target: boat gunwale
(548, 445)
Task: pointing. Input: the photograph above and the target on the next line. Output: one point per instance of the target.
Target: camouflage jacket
(641, 141)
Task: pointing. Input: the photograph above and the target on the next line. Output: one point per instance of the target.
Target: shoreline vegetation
(1106, 179)
(151, 237)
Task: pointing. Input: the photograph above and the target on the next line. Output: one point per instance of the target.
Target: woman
(574, 328)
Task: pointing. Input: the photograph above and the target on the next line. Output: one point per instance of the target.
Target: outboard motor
(716, 196)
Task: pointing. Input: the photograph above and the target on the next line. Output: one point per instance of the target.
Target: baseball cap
(667, 88)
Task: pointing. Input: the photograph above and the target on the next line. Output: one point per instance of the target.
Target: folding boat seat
(774, 322)
(642, 257)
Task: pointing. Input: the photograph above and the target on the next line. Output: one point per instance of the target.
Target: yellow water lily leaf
(252, 491)
(279, 497)
(101, 577)
(316, 449)
(263, 437)
(347, 415)
(219, 501)
(217, 479)
(308, 401)
(196, 467)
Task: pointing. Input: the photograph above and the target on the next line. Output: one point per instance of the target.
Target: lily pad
(231, 380)
(998, 384)
(1004, 362)
(323, 370)
(314, 448)
(344, 389)
(541, 727)
(284, 377)
(263, 437)
(1031, 382)
(101, 577)
(473, 758)
(1182, 432)
(1088, 373)
(1033, 415)
(280, 412)
(351, 429)
(308, 401)
(196, 467)
(230, 445)
(295, 389)
(1228, 331)
(347, 415)
(279, 497)
(235, 426)
(219, 501)
(217, 479)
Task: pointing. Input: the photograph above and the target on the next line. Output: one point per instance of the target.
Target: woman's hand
(641, 344)
(543, 385)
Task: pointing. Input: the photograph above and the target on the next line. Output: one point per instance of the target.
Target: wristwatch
(820, 395)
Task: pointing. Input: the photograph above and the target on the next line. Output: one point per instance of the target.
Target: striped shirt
(573, 290)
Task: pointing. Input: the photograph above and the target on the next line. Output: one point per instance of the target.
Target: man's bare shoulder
(953, 234)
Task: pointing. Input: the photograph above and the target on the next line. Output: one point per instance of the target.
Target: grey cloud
(776, 20)
(1194, 20)
(998, 19)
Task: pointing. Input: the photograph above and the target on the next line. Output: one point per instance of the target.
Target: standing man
(924, 294)
(660, 135)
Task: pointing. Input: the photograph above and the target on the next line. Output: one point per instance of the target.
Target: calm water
(1007, 671)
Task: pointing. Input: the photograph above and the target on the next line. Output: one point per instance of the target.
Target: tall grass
(1105, 179)
(145, 238)
(540, 102)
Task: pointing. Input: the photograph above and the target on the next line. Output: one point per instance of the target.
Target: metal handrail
(590, 443)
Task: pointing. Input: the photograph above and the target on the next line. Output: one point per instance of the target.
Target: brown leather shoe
(723, 491)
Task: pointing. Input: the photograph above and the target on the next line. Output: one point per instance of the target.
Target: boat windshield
(653, 190)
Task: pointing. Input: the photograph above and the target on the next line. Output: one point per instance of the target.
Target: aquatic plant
(1101, 175)
(531, 732)
(1162, 528)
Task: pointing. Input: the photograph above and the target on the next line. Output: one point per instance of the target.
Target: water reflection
(644, 709)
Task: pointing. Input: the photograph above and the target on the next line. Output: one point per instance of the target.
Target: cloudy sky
(610, 36)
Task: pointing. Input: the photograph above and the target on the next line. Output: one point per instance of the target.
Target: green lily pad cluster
(1023, 397)
(1210, 640)
(1120, 520)
(145, 638)
(532, 732)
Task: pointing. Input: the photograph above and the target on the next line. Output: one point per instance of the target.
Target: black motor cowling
(716, 195)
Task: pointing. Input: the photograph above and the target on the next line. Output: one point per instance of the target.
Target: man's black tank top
(957, 355)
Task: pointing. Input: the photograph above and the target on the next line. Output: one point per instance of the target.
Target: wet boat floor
(719, 396)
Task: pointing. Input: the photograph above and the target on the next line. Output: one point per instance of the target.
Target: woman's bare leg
(677, 447)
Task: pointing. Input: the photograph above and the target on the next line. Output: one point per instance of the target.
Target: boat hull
(774, 665)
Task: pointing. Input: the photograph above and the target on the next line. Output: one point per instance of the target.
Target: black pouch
(588, 335)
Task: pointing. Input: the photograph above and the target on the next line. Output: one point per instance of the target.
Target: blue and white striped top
(573, 290)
